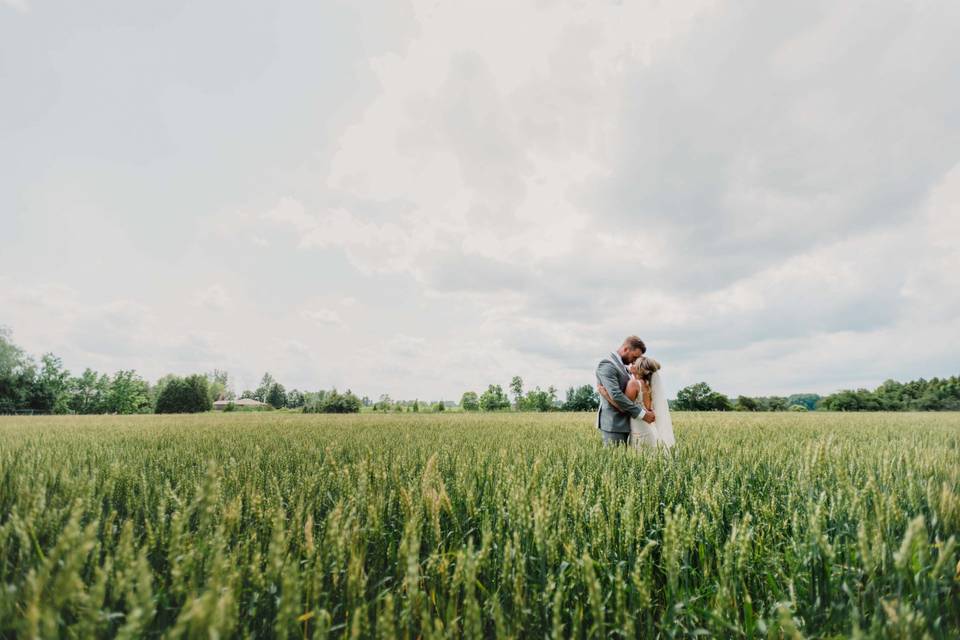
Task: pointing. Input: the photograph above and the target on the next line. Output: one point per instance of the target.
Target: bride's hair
(646, 367)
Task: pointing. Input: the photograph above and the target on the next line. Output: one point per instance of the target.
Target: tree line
(46, 387)
(29, 386)
(936, 394)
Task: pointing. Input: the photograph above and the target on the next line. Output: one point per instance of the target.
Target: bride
(645, 384)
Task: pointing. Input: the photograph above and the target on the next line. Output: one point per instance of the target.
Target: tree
(700, 397)
(494, 399)
(88, 392)
(416, 406)
(50, 391)
(128, 393)
(17, 375)
(384, 403)
(184, 395)
(294, 399)
(440, 407)
(219, 385)
(265, 384)
(745, 404)
(469, 401)
(808, 400)
(516, 387)
(335, 402)
(538, 400)
(276, 396)
(583, 398)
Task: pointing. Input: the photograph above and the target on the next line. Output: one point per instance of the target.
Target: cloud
(326, 317)
(215, 297)
(20, 6)
(767, 193)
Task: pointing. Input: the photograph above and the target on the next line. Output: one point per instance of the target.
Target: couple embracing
(633, 404)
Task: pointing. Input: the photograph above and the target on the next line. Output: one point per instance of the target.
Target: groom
(612, 373)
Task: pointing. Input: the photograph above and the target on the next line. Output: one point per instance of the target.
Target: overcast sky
(422, 198)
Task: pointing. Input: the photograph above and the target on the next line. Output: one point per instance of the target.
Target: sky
(422, 198)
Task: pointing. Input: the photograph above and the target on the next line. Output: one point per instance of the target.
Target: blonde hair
(646, 367)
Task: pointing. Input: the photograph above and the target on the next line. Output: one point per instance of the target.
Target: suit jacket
(613, 375)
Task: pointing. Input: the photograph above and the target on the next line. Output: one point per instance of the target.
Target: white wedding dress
(660, 433)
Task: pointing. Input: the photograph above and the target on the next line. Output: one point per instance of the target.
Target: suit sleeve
(608, 378)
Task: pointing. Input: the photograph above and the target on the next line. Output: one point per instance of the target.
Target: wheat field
(491, 525)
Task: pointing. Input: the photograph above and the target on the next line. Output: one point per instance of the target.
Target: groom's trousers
(611, 439)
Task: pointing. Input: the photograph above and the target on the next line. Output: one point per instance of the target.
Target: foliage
(469, 401)
(266, 383)
(184, 395)
(516, 388)
(479, 526)
(700, 397)
(276, 396)
(334, 402)
(539, 400)
(128, 394)
(582, 398)
(219, 385)
(936, 394)
(494, 399)
(294, 399)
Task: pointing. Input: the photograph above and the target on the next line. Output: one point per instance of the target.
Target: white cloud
(215, 297)
(20, 6)
(324, 317)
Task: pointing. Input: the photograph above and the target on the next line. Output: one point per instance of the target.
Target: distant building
(242, 403)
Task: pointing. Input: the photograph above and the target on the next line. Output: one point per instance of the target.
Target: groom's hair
(635, 343)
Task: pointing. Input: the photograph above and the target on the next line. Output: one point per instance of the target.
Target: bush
(798, 408)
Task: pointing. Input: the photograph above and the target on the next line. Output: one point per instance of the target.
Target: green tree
(516, 388)
(218, 382)
(808, 400)
(88, 392)
(440, 407)
(129, 393)
(184, 395)
(745, 403)
(294, 399)
(335, 402)
(469, 401)
(276, 396)
(582, 398)
(538, 400)
(494, 399)
(265, 385)
(50, 392)
(700, 397)
(17, 375)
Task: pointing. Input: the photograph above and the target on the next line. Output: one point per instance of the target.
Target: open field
(478, 525)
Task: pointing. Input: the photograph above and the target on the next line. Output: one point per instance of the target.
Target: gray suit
(613, 375)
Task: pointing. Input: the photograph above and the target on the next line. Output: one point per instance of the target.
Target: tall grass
(444, 526)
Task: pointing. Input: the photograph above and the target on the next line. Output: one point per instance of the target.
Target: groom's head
(631, 350)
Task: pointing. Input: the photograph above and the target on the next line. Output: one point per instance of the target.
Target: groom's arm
(607, 375)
